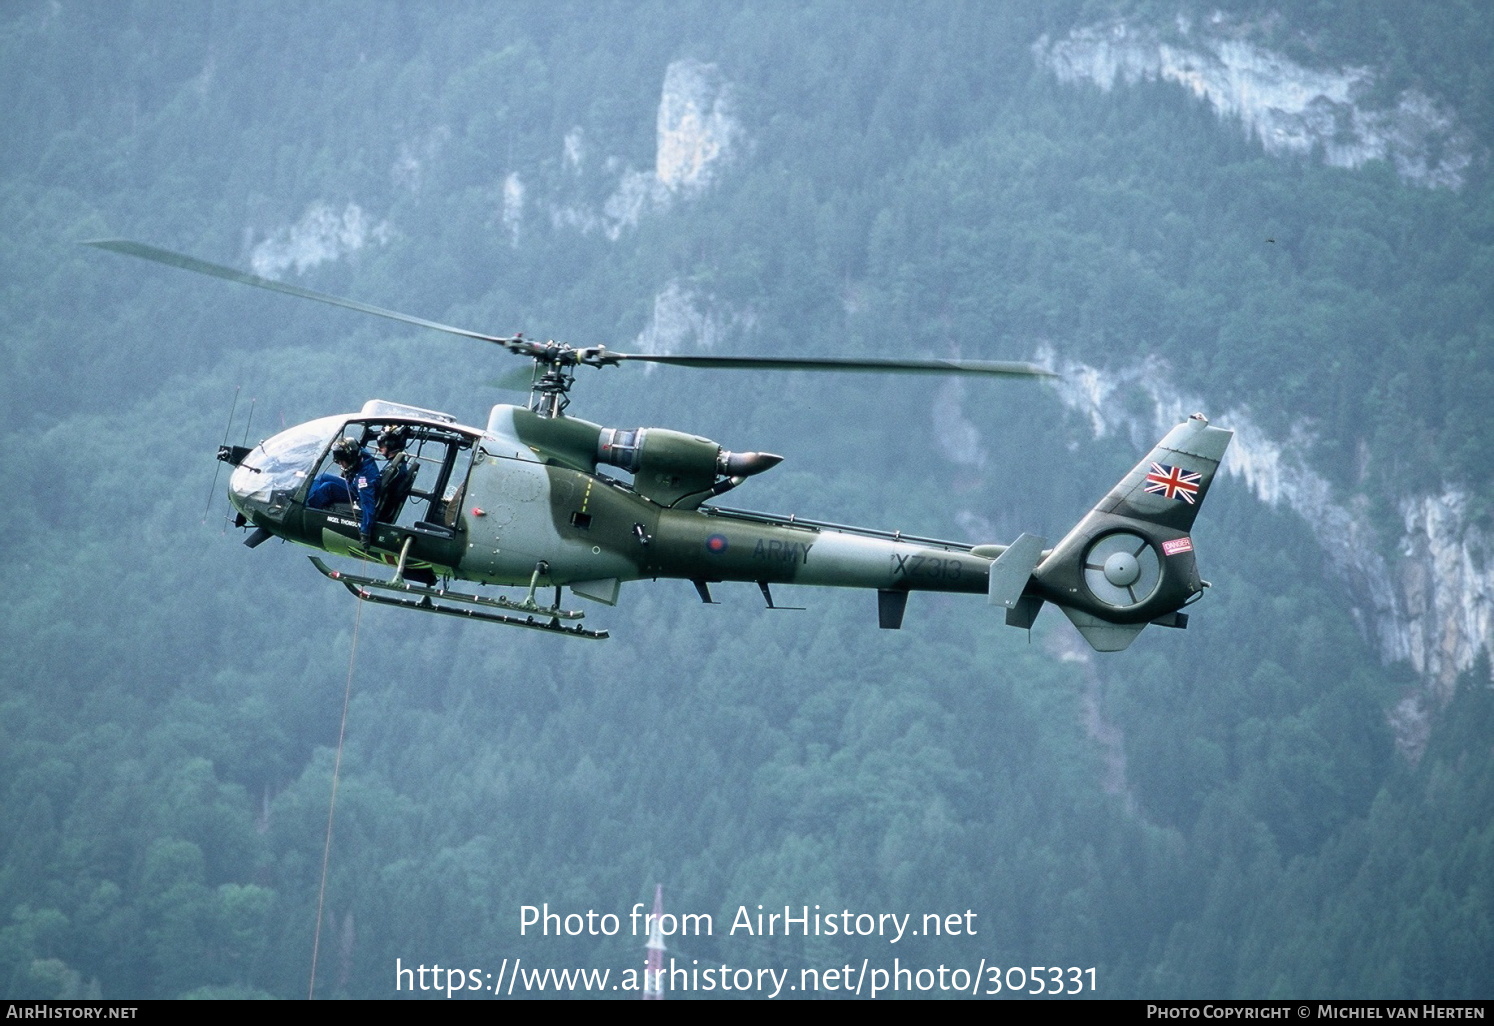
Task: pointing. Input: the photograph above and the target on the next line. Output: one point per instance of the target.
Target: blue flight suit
(361, 481)
(327, 491)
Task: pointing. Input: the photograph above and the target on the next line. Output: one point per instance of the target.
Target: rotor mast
(555, 364)
(549, 394)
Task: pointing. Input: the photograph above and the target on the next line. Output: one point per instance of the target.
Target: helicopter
(523, 502)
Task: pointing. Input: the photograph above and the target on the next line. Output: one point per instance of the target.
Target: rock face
(1430, 605)
(685, 319)
(1291, 108)
(678, 322)
(1446, 582)
(696, 135)
(323, 234)
(696, 132)
(696, 129)
(513, 205)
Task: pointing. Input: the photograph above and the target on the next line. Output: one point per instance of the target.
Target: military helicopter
(521, 502)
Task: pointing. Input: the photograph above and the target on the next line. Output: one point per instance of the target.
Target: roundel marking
(716, 544)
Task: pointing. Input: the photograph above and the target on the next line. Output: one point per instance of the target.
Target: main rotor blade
(559, 354)
(520, 379)
(814, 363)
(187, 263)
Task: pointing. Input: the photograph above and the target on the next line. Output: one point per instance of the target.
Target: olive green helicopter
(522, 502)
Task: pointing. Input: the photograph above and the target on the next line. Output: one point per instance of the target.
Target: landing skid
(365, 587)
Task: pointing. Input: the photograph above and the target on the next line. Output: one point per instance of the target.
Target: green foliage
(1218, 811)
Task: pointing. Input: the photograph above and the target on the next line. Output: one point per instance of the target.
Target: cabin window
(423, 484)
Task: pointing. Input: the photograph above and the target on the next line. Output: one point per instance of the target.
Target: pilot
(358, 485)
(397, 468)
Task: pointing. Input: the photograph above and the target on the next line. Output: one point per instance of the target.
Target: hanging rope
(321, 893)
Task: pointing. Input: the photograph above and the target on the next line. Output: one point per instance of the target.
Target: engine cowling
(677, 469)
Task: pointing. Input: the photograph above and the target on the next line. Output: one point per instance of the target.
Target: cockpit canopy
(272, 480)
(274, 473)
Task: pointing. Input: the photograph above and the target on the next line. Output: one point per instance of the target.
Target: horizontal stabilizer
(1102, 635)
(1013, 569)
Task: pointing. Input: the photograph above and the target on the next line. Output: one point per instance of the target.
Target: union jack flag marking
(1173, 483)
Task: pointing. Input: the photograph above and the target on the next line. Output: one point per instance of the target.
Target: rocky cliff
(1424, 597)
(1289, 107)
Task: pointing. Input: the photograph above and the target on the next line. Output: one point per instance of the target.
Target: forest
(1236, 809)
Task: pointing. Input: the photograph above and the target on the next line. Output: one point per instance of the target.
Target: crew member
(398, 469)
(358, 486)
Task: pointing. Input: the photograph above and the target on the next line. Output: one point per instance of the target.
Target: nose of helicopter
(266, 481)
(248, 489)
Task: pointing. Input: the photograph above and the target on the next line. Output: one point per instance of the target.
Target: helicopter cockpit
(421, 486)
(269, 477)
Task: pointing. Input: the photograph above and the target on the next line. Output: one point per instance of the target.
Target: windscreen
(274, 471)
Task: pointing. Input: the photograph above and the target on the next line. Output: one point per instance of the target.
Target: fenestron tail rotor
(1122, 569)
(555, 362)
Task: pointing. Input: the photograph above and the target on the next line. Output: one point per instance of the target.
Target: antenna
(226, 429)
(653, 974)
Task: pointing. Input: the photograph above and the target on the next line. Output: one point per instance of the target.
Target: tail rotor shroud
(1122, 569)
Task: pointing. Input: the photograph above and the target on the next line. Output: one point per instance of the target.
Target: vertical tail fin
(1169, 485)
(1130, 561)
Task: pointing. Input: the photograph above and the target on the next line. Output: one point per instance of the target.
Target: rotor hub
(1122, 569)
